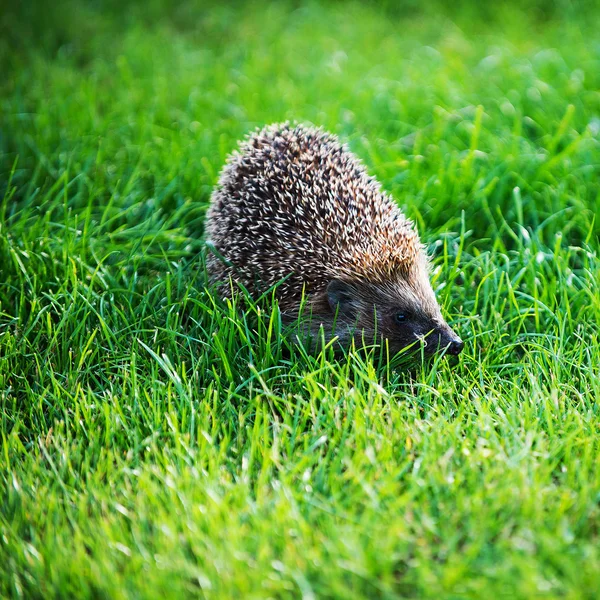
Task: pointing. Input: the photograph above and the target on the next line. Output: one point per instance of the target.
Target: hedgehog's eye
(401, 317)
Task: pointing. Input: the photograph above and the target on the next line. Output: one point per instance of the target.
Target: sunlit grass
(157, 442)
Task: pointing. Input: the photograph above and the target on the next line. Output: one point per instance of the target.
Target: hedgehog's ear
(341, 297)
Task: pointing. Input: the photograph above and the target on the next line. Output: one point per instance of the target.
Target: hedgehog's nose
(455, 346)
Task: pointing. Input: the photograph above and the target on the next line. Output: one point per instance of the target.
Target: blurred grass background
(158, 443)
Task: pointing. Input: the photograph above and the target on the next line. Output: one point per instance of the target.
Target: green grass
(156, 443)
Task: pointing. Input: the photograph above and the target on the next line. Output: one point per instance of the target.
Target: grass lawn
(157, 443)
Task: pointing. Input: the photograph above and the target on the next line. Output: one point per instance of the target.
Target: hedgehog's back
(293, 203)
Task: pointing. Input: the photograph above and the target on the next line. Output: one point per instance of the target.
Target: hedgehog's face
(403, 312)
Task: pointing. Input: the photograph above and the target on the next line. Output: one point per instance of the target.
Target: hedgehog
(294, 210)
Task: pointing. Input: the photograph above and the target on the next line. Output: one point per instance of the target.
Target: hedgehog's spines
(292, 201)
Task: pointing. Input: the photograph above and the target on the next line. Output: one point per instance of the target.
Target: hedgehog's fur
(292, 204)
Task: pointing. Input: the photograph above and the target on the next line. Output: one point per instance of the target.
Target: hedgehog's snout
(443, 338)
(455, 346)
(449, 341)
